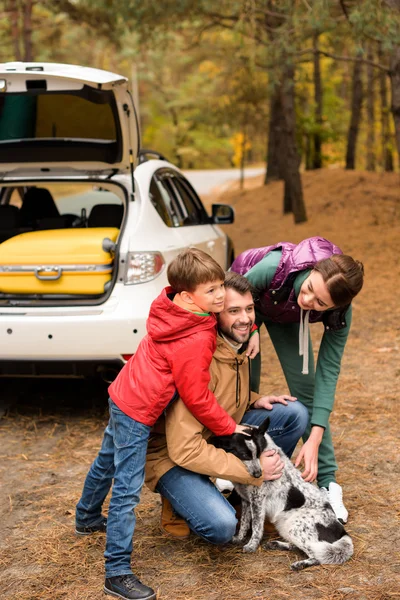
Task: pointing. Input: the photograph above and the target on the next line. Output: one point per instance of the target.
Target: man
(179, 460)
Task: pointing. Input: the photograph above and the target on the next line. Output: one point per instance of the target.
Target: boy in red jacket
(172, 360)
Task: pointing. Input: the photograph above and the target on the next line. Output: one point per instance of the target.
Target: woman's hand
(271, 464)
(309, 454)
(267, 401)
(253, 347)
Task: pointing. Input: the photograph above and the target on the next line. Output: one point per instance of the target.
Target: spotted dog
(299, 510)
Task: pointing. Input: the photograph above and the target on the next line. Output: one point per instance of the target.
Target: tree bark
(395, 85)
(356, 105)
(309, 159)
(370, 164)
(289, 161)
(27, 30)
(387, 154)
(317, 160)
(275, 122)
(15, 29)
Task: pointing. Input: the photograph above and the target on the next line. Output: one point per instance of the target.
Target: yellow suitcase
(62, 261)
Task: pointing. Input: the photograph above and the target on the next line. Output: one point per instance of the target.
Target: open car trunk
(64, 123)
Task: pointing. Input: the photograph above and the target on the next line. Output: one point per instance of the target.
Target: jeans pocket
(127, 431)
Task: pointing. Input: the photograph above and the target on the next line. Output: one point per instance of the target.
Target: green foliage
(206, 70)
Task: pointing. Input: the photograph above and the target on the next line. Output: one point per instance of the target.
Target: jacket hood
(167, 321)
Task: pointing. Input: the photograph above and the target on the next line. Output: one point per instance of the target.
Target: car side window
(175, 200)
(191, 206)
(164, 203)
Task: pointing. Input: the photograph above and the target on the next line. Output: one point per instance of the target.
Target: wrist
(316, 434)
(254, 330)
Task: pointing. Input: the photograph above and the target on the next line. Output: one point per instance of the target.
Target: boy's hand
(242, 429)
(271, 464)
(253, 347)
(267, 401)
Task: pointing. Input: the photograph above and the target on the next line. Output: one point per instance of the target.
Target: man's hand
(309, 454)
(271, 464)
(253, 347)
(268, 401)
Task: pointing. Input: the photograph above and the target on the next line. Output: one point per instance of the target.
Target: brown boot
(269, 528)
(171, 523)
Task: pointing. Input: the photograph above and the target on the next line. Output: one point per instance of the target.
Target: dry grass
(49, 440)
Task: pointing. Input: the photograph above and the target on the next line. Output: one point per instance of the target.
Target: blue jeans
(121, 458)
(194, 497)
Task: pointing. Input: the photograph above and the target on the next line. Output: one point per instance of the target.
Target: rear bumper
(76, 340)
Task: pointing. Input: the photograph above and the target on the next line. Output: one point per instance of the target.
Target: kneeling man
(179, 460)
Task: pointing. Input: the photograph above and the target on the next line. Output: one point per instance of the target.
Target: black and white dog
(300, 511)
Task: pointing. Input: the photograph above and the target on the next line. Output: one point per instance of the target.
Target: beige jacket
(180, 439)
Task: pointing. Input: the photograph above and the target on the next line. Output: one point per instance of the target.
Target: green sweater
(332, 343)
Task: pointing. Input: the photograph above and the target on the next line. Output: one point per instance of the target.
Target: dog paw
(237, 540)
(277, 545)
(250, 548)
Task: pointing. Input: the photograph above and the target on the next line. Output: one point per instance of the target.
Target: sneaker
(223, 485)
(100, 528)
(171, 523)
(129, 587)
(335, 498)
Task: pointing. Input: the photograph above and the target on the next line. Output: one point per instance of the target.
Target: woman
(297, 285)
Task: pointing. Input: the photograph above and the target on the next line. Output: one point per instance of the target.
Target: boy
(172, 360)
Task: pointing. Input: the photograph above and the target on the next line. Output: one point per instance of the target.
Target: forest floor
(51, 433)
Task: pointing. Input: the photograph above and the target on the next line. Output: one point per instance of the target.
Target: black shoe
(129, 587)
(100, 528)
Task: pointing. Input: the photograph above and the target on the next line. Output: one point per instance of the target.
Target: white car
(74, 189)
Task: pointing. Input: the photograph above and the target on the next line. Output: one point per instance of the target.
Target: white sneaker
(335, 497)
(223, 485)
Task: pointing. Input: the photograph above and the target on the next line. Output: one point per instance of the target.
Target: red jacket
(175, 355)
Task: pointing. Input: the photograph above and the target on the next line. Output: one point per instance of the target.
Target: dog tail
(336, 553)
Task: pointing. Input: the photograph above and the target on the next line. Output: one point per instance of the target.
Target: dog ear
(264, 426)
(235, 444)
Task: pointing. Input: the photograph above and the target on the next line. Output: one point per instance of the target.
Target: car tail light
(127, 356)
(143, 266)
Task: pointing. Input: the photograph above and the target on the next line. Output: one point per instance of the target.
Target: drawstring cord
(237, 384)
(303, 339)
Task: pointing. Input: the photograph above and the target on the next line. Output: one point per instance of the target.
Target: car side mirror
(222, 214)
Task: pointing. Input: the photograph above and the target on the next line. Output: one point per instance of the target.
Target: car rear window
(62, 126)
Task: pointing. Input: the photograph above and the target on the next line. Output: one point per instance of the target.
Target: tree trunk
(395, 84)
(243, 156)
(387, 155)
(370, 164)
(289, 161)
(317, 160)
(309, 160)
(356, 105)
(27, 31)
(275, 117)
(15, 29)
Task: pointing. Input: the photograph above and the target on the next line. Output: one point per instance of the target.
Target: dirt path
(51, 433)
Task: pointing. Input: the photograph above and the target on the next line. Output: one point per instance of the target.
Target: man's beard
(237, 337)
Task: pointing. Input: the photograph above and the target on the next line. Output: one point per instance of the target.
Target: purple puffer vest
(278, 303)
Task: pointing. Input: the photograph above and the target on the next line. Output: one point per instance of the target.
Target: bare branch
(365, 61)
